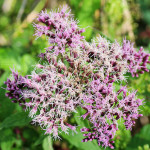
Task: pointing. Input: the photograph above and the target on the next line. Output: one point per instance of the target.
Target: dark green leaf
(17, 119)
(140, 139)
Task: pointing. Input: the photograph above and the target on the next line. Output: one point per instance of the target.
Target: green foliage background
(113, 19)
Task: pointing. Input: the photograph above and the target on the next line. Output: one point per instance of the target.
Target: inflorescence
(79, 74)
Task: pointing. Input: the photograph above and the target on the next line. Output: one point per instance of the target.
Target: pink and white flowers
(79, 74)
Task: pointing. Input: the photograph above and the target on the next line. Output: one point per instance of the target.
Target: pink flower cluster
(79, 74)
(61, 29)
(104, 108)
(137, 61)
(15, 88)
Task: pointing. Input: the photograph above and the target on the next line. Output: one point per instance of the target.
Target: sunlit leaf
(47, 143)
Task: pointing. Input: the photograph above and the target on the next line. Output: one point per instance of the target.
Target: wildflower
(79, 74)
(104, 108)
(137, 61)
(60, 29)
(15, 86)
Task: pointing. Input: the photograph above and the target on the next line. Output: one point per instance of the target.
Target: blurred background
(113, 19)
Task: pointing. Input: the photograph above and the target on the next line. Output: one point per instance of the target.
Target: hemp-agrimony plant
(76, 73)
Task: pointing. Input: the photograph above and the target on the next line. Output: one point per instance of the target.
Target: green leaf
(26, 63)
(7, 145)
(8, 139)
(6, 106)
(47, 144)
(76, 138)
(6, 135)
(17, 119)
(39, 140)
(9, 59)
(81, 123)
(29, 132)
(140, 139)
(4, 77)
